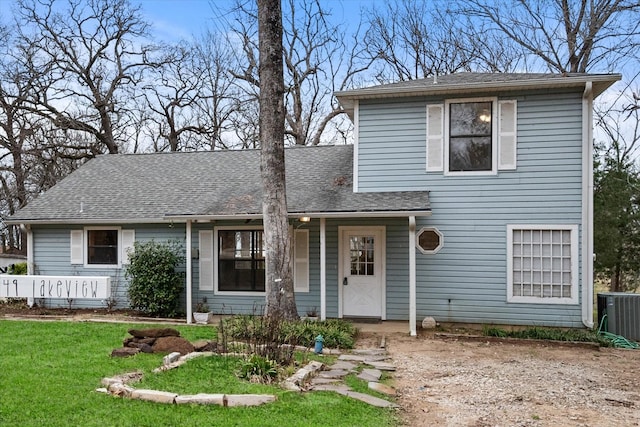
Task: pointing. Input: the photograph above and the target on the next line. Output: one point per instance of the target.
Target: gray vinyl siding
(466, 281)
(52, 257)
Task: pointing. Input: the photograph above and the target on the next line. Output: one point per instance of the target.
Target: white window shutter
(507, 135)
(128, 238)
(77, 246)
(206, 260)
(301, 261)
(435, 138)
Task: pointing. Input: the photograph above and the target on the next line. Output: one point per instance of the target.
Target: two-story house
(465, 197)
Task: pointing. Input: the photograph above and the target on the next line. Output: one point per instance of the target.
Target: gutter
(587, 206)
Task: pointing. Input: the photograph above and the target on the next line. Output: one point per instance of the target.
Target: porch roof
(160, 187)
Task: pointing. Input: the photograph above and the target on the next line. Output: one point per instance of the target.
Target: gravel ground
(461, 382)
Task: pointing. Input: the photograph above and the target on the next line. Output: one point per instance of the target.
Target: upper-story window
(476, 136)
(470, 136)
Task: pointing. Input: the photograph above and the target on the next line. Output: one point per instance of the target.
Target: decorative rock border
(119, 386)
(314, 376)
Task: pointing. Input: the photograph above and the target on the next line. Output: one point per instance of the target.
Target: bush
(258, 369)
(337, 333)
(18, 268)
(155, 285)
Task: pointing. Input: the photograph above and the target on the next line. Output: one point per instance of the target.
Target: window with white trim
(241, 260)
(429, 240)
(542, 264)
(101, 246)
(471, 136)
(232, 260)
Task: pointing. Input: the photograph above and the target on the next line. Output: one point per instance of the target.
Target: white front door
(362, 271)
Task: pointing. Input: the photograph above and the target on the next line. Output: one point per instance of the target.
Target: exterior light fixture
(304, 219)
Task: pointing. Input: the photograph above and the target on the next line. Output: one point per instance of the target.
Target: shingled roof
(476, 83)
(121, 188)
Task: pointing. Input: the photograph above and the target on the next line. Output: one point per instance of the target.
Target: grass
(49, 372)
(553, 334)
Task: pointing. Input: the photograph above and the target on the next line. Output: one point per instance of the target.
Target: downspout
(412, 276)
(30, 264)
(323, 269)
(189, 274)
(587, 206)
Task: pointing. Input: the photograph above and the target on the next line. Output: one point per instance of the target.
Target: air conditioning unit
(623, 313)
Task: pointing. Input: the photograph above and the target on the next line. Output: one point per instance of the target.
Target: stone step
(370, 374)
(370, 351)
(383, 366)
(363, 358)
(371, 400)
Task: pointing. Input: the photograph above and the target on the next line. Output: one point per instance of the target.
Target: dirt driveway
(462, 382)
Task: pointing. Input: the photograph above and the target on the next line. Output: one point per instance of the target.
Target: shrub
(18, 268)
(337, 333)
(258, 369)
(155, 285)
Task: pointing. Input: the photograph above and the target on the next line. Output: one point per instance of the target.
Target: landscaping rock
(120, 389)
(201, 399)
(429, 323)
(298, 380)
(154, 332)
(205, 345)
(125, 352)
(170, 358)
(172, 344)
(154, 396)
(248, 399)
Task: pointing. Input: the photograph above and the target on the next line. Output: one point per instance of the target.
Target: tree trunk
(278, 275)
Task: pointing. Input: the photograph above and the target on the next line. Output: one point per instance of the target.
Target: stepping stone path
(373, 361)
(368, 364)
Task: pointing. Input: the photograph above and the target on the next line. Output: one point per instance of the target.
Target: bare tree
(280, 296)
(566, 35)
(191, 97)
(317, 61)
(33, 155)
(89, 57)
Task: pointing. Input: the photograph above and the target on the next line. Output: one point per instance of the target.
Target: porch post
(412, 276)
(323, 269)
(189, 273)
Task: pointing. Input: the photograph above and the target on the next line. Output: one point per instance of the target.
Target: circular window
(429, 240)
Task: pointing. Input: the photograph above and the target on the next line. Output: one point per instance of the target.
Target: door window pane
(362, 255)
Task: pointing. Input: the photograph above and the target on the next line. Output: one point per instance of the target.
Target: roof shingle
(160, 186)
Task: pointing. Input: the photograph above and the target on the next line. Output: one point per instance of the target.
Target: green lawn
(49, 372)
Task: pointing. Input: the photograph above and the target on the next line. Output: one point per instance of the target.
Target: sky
(182, 19)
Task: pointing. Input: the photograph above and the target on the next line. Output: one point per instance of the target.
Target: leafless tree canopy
(566, 35)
